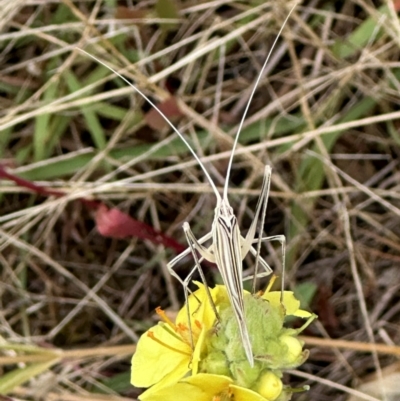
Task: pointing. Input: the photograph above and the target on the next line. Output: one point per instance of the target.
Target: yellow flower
(203, 358)
(164, 353)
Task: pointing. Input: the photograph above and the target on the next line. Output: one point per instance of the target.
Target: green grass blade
(360, 37)
(43, 132)
(63, 166)
(92, 121)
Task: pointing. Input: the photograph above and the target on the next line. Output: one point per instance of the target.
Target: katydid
(228, 247)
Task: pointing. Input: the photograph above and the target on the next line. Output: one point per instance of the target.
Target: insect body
(228, 247)
(227, 251)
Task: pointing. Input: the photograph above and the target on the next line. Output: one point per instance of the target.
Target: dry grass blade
(331, 91)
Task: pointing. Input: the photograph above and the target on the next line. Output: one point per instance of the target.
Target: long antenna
(217, 194)
(225, 193)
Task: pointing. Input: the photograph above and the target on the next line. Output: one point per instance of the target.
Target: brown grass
(325, 117)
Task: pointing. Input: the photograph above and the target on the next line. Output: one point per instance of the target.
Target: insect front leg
(185, 253)
(195, 246)
(205, 253)
(177, 259)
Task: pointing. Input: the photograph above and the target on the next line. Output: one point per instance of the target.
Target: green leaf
(305, 292)
(92, 121)
(360, 37)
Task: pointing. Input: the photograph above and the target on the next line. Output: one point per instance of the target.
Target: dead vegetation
(325, 117)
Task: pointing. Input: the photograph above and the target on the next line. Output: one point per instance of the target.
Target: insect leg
(186, 252)
(263, 263)
(194, 245)
(185, 282)
(205, 253)
(261, 205)
(261, 209)
(282, 240)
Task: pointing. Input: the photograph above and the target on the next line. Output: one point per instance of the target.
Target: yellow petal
(201, 387)
(212, 384)
(198, 351)
(245, 394)
(153, 361)
(290, 303)
(200, 308)
(302, 313)
(175, 392)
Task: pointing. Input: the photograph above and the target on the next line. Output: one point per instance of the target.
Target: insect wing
(227, 252)
(228, 257)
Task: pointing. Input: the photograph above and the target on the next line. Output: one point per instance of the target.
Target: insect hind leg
(259, 217)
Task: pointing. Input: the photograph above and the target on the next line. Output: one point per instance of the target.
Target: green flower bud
(215, 363)
(216, 339)
(274, 347)
(269, 386)
(294, 347)
(243, 374)
(294, 354)
(206, 352)
(263, 319)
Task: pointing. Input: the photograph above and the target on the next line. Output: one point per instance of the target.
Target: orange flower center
(183, 333)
